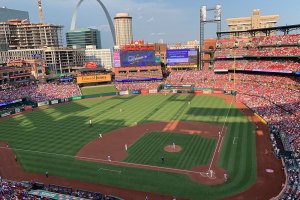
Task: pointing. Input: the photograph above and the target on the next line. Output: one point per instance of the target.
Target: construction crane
(40, 11)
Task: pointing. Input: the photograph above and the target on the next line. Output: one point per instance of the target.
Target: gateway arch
(111, 25)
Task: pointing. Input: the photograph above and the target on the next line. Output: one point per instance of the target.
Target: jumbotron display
(137, 58)
(182, 57)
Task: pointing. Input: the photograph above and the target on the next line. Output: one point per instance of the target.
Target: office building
(57, 60)
(83, 38)
(7, 14)
(123, 28)
(102, 57)
(20, 34)
(255, 21)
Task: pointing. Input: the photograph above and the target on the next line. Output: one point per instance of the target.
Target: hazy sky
(170, 20)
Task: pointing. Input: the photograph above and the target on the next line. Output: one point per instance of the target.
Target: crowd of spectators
(275, 98)
(13, 190)
(265, 51)
(292, 191)
(137, 75)
(39, 92)
(289, 39)
(260, 64)
(137, 85)
(279, 45)
(274, 40)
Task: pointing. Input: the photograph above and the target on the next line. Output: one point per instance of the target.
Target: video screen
(182, 56)
(137, 58)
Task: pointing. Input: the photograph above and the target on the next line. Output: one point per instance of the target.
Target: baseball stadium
(219, 122)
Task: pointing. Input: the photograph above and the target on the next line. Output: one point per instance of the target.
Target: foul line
(224, 124)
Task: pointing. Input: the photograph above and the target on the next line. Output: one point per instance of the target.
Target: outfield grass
(49, 139)
(98, 89)
(149, 149)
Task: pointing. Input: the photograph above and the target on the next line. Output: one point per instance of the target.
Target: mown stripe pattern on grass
(63, 130)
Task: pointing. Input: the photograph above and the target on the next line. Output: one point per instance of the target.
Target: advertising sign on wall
(43, 103)
(93, 78)
(54, 101)
(206, 91)
(218, 92)
(153, 91)
(126, 92)
(117, 62)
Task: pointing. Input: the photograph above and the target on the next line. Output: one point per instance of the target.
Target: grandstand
(262, 72)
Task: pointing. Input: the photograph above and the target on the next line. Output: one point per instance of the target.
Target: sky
(170, 21)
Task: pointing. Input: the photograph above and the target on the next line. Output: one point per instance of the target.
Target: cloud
(150, 20)
(152, 33)
(140, 17)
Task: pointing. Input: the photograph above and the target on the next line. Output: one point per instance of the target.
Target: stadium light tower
(203, 20)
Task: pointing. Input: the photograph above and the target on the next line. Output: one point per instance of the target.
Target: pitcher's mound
(170, 148)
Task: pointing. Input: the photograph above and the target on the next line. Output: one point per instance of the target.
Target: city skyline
(167, 20)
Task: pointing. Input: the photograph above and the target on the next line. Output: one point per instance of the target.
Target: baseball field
(60, 140)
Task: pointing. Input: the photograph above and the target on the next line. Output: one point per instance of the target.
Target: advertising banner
(93, 78)
(117, 60)
(91, 65)
(221, 70)
(198, 91)
(5, 103)
(54, 101)
(144, 91)
(182, 56)
(27, 108)
(66, 79)
(17, 101)
(272, 70)
(126, 92)
(43, 103)
(218, 92)
(77, 98)
(153, 91)
(206, 91)
(137, 58)
(135, 92)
